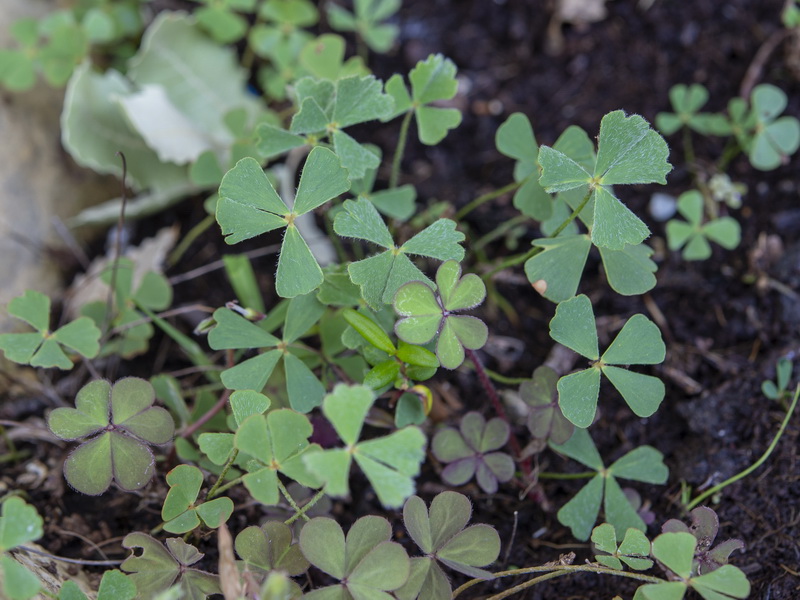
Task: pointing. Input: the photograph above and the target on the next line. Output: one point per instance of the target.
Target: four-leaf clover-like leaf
(181, 511)
(249, 206)
(628, 152)
(157, 567)
(471, 452)
(638, 343)
(692, 235)
(440, 533)
(432, 80)
(368, 565)
(426, 314)
(117, 424)
(389, 462)
(644, 463)
(676, 552)
(44, 348)
(381, 275)
(633, 551)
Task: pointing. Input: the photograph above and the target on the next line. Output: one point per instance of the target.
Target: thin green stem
(688, 150)
(497, 232)
(189, 238)
(565, 569)
(710, 492)
(468, 208)
(306, 507)
(520, 258)
(495, 376)
(400, 149)
(730, 152)
(228, 463)
(298, 511)
(232, 483)
(583, 475)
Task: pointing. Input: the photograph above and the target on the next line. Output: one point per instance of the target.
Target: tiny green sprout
(628, 152)
(368, 565)
(545, 419)
(268, 549)
(381, 275)
(249, 206)
(389, 462)
(432, 80)
(19, 524)
(775, 138)
(277, 442)
(693, 235)
(158, 567)
(366, 21)
(425, 314)
(633, 551)
(640, 464)
(675, 551)
(116, 424)
(471, 452)
(45, 348)
(220, 18)
(704, 527)
(686, 102)
(515, 139)
(779, 389)
(443, 536)
(181, 511)
(638, 343)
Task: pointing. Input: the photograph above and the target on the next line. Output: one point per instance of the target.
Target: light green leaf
(559, 266)
(580, 513)
(727, 581)
(644, 463)
(560, 172)
(676, 552)
(574, 326)
(630, 271)
(615, 226)
(580, 447)
(32, 307)
(274, 141)
(355, 157)
(323, 543)
(234, 332)
(433, 123)
(643, 393)
(638, 343)
(303, 313)
(253, 373)
(298, 272)
(346, 408)
(618, 509)
(19, 524)
(305, 391)
(360, 99)
(433, 79)
(323, 179)
(628, 151)
(18, 582)
(577, 396)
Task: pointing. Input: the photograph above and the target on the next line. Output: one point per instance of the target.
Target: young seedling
(158, 567)
(545, 422)
(277, 442)
(19, 524)
(367, 564)
(116, 424)
(181, 511)
(675, 551)
(628, 152)
(269, 548)
(44, 348)
(471, 452)
(432, 80)
(633, 551)
(444, 538)
(233, 331)
(644, 463)
(778, 390)
(425, 314)
(389, 462)
(693, 235)
(774, 138)
(367, 21)
(686, 102)
(381, 275)
(249, 206)
(638, 343)
(704, 527)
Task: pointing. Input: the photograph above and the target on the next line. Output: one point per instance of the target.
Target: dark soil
(724, 323)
